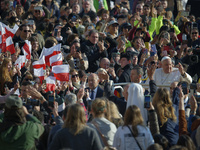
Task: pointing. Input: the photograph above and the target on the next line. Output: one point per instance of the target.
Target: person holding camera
(18, 128)
(76, 59)
(94, 50)
(194, 41)
(31, 97)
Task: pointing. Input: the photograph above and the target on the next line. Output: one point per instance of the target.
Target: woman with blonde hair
(116, 117)
(133, 134)
(105, 129)
(75, 133)
(5, 75)
(166, 115)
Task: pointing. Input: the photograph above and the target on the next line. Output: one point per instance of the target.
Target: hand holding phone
(147, 100)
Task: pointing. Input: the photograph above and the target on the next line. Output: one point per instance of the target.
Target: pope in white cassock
(167, 74)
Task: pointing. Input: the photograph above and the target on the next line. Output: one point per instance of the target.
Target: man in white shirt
(167, 74)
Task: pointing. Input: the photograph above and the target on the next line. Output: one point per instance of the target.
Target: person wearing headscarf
(136, 97)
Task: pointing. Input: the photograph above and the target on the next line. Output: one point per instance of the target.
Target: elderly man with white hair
(167, 74)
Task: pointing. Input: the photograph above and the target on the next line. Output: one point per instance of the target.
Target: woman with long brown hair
(133, 134)
(5, 75)
(75, 133)
(166, 115)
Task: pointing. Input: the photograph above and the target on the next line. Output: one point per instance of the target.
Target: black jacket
(92, 52)
(126, 75)
(120, 102)
(98, 95)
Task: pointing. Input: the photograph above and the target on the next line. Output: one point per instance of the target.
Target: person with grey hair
(94, 90)
(94, 50)
(70, 99)
(88, 9)
(136, 74)
(168, 74)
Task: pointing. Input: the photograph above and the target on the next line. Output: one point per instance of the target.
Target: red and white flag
(39, 64)
(39, 73)
(9, 45)
(20, 62)
(2, 37)
(50, 83)
(56, 60)
(61, 72)
(27, 49)
(49, 52)
(9, 31)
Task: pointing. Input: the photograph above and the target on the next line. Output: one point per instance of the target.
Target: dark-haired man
(125, 61)
(25, 33)
(93, 50)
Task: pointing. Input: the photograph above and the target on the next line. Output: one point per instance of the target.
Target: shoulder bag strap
(134, 137)
(101, 135)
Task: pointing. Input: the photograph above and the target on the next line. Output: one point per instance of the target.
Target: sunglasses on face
(194, 32)
(27, 30)
(76, 75)
(28, 79)
(114, 25)
(37, 11)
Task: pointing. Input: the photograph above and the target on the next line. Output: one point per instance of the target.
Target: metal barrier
(146, 86)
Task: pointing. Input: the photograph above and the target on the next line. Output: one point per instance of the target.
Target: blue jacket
(170, 131)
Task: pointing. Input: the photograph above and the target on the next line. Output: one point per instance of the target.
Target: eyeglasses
(194, 32)
(139, 8)
(37, 11)
(76, 75)
(27, 30)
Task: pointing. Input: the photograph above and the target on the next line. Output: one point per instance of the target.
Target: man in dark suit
(94, 90)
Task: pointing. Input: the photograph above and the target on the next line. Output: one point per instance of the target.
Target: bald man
(167, 74)
(105, 63)
(94, 90)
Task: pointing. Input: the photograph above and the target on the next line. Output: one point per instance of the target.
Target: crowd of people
(133, 77)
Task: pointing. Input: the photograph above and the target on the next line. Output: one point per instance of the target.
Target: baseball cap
(13, 100)
(113, 22)
(126, 25)
(38, 8)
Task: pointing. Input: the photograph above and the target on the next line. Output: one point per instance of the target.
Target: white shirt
(124, 140)
(95, 93)
(162, 78)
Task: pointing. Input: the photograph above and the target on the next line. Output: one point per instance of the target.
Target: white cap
(165, 58)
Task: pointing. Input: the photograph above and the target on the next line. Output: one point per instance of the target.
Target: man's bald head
(104, 63)
(93, 81)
